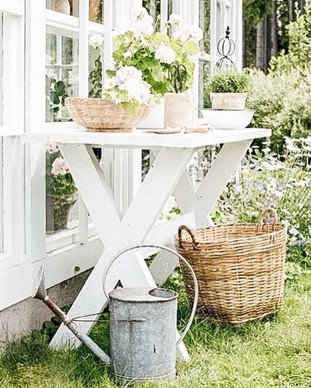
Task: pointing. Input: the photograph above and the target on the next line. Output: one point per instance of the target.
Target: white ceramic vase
(155, 118)
(178, 110)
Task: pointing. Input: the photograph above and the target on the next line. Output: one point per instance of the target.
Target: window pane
(95, 72)
(96, 11)
(62, 72)
(68, 7)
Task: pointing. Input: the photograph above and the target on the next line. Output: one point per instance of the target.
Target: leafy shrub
(228, 82)
(266, 181)
(299, 50)
(282, 102)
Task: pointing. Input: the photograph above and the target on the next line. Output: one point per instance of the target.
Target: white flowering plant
(127, 88)
(166, 59)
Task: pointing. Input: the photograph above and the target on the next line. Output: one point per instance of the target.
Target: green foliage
(228, 82)
(282, 102)
(284, 185)
(299, 51)
(254, 11)
(95, 78)
(56, 95)
(272, 353)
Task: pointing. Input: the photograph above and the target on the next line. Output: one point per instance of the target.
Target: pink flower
(51, 147)
(59, 167)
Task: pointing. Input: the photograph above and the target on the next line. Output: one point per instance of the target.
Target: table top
(144, 139)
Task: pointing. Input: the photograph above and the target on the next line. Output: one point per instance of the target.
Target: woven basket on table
(98, 114)
(240, 268)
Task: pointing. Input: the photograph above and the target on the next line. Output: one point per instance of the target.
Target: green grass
(273, 353)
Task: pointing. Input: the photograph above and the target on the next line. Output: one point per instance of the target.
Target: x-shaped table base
(167, 176)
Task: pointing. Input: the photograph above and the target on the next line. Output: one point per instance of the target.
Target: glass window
(95, 72)
(62, 78)
(62, 72)
(96, 8)
(68, 7)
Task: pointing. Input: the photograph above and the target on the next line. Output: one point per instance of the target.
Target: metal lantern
(225, 48)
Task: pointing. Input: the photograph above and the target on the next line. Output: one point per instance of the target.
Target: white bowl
(227, 119)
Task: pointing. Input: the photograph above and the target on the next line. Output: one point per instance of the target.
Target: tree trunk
(291, 10)
(260, 45)
(244, 45)
(274, 29)
(267, 41)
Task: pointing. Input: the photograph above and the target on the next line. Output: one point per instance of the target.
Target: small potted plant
(228, 90)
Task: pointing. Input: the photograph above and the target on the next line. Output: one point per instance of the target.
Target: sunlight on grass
(275, 352)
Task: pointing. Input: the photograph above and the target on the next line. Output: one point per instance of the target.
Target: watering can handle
(195, 281)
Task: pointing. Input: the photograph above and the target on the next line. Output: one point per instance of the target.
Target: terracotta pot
(93, 10)
(178, 110)
(228, 101)
(62, 6)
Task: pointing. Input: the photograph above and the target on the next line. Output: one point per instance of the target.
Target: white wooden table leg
(115, 234)
(204, 199)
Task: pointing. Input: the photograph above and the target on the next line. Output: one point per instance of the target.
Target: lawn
(275, 352)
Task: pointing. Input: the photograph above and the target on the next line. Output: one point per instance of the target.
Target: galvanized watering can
(143, 325)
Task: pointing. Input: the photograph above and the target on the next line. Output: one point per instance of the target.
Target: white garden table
(167, 176)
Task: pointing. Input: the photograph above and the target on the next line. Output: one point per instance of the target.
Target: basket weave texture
(98, 114)
(240, 268)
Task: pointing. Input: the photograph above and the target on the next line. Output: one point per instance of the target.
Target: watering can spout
(39, 289)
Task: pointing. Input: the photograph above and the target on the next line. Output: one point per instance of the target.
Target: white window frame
(12, 195)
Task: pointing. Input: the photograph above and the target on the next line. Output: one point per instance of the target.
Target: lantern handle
(195, 281)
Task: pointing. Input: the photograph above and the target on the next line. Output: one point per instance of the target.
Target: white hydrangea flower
(96, 40)
(179, 35)
(59, 167)
(143, 27)
(165, 54)
(139, 13)
(194, 32)
(137, 90)
(176, 20)
(128, 72)
(51, 148)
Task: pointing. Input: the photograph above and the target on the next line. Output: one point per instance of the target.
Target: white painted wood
(35, 119)
(137, 221)
(141, 139)
(14, 7)
(17, 283)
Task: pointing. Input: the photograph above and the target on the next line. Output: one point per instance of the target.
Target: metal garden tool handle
(195, 281)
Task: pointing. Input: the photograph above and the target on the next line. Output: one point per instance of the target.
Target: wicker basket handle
(189, 231)
(267, 211)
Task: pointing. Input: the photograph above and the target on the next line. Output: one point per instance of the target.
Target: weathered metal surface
(143, 333)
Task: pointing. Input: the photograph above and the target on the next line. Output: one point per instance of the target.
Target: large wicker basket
(240, 268)
(98, 114)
